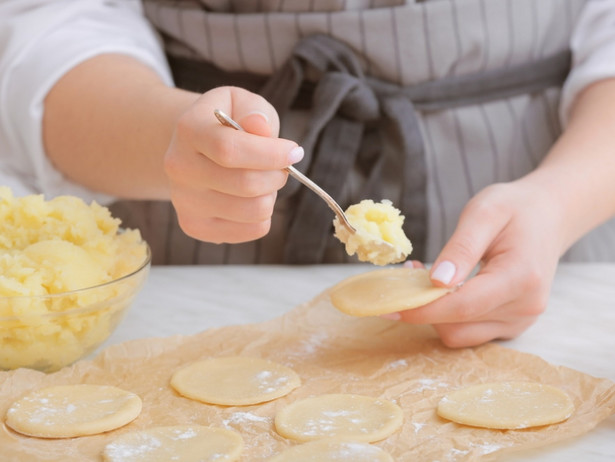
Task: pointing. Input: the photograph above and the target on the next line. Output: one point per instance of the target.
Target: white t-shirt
(40, 40)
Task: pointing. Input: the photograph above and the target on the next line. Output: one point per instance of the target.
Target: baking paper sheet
(333, 353)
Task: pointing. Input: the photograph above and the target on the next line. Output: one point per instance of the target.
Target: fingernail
(391, 316)
(259, 113)
(408, 264)
(444, 272)
(296, 154)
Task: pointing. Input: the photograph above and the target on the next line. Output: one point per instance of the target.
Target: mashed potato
(52, 247)
(376, 225)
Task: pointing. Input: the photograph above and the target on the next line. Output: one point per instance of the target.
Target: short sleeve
(593, 51)
(39, 42)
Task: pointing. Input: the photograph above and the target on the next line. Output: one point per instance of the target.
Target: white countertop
(577, 330)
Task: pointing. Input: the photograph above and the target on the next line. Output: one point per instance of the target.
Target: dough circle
(361, 418)
(332, 450)
(67, 411)
(507, 405)
(188, 443)
(385, 291)
(235, 381)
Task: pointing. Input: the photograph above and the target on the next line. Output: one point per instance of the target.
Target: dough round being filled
(385, 291)
(235, 381)
(357, 417)
(186, 443)
(67, 411)
(507, 405)
(332, 450)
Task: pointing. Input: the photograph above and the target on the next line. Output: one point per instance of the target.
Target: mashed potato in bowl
(67, 274)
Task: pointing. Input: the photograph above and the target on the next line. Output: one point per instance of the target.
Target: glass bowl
(58, 329)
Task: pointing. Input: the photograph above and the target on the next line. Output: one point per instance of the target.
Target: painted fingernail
(444, 272)
(259, 113)
(391, 316)
(296, 154)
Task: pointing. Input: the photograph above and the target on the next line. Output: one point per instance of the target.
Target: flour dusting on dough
(397, 364)
(244, 417)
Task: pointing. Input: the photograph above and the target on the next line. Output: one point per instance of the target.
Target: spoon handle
(227, 121)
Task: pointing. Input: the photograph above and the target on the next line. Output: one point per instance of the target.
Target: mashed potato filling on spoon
(379, 237)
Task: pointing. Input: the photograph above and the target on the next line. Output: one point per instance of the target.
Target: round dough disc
(361, 418)
(188, 443)
(67, 411)
(385, 291)
(332, 450)
(506, 405)
(235, 381)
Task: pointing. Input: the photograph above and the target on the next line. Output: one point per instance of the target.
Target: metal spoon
(227, 121)
(372, 248)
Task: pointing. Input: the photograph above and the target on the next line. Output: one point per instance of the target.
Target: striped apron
(421, 102)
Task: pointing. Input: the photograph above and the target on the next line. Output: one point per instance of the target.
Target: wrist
(572, 199)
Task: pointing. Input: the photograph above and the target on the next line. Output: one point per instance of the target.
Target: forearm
(107, 124)
(578, 174)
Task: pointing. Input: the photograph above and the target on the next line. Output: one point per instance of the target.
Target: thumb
(254, 113)
(464, 250)
(256, 123)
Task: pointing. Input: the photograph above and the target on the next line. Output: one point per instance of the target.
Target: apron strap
(341, 105)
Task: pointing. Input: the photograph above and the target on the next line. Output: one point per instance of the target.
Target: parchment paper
(333, 353)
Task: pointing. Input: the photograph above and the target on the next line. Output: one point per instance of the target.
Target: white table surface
(577, 330)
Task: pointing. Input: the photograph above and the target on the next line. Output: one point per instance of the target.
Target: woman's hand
(512, 232)
(144, 140)
(224, 182)
(517, 231)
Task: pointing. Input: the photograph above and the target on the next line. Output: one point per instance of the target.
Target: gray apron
(423, 103)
